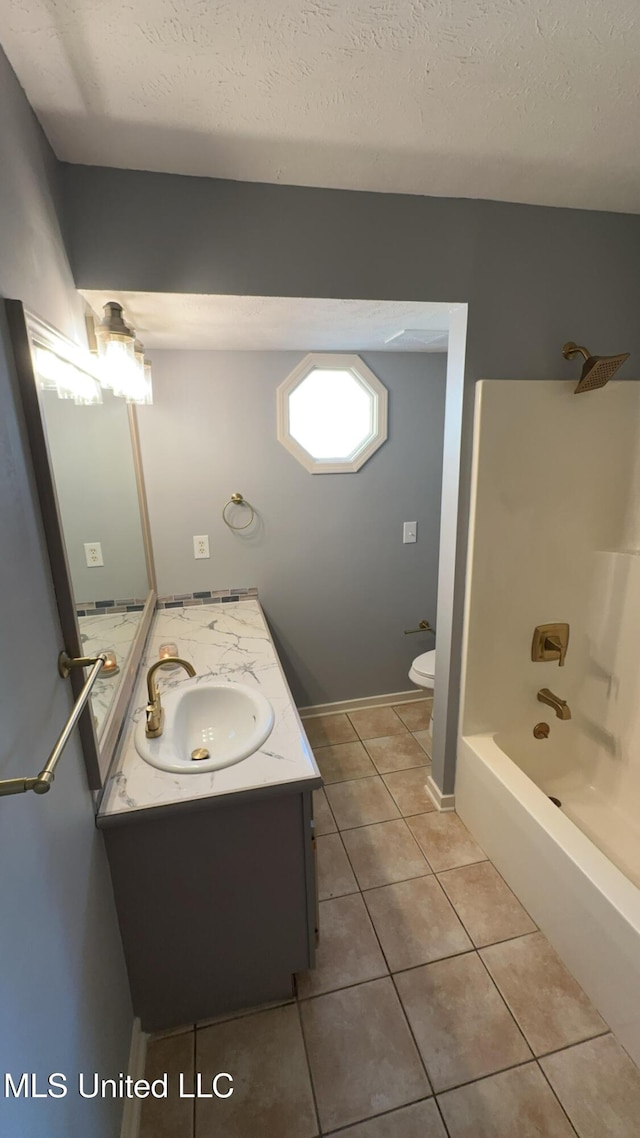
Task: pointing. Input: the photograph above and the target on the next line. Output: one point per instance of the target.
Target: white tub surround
(555, 537)
(229, 642)
(584, 904)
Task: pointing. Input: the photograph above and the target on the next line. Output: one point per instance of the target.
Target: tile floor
(436, 1008)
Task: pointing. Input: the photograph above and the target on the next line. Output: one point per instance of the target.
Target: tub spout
(560, 706)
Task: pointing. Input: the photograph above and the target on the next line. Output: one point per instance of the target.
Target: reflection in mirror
(92, 461)
(83, 440)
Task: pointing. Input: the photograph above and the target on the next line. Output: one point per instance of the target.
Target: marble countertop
(229, 642)
(107, 630)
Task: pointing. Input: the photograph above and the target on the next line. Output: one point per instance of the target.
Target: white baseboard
(443, 802)
(132, 1106)
(360, 704)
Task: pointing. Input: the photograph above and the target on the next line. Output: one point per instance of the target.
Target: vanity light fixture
(68, 379)
(140, 391)
(116, 349)
(124, 368)
(148, 382)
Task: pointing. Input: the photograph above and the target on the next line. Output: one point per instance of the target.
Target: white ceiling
(279, 323)
(518, 100)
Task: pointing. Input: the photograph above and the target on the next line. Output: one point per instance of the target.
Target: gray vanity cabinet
(216, 900)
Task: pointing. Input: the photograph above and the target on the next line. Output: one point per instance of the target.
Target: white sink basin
(229, 721)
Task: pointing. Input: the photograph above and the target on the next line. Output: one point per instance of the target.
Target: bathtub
(583, 902)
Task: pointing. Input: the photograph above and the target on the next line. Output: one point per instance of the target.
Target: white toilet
(423, 674)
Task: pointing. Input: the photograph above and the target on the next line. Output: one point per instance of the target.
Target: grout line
(442, 1118)
(416, 843)
(511, 1014)
(477, 947)
(242, 1013)
(362, 892)
(326, 798)
(376, 773)
(380, 707)
(373, 1117)
(371, 888)
(417, 814)
(344, 987)
(412, 1034)
(437, 960)
(383, 822)
(553, 1051)
(363, 825)
(466, 865)
(506, 883)
(309, 1071)
(483, 1078)
(556, 1095)
(576, 1043)
(504, 939)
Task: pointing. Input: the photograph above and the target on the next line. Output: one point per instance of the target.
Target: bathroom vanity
(214, 873)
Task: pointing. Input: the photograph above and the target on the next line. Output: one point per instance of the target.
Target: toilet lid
(425, 665)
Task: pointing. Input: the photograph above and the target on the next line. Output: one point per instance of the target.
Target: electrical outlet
(409, 532)
(201, 546)
(93, 554)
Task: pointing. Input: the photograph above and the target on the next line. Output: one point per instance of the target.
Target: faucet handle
(154, 713)
(550, 642)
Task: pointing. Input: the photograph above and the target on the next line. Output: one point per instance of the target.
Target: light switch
(409, 532)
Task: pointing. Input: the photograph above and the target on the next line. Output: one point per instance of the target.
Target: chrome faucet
(560, 706)
(154, 708)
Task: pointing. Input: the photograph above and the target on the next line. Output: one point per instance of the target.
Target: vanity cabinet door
(216, 905)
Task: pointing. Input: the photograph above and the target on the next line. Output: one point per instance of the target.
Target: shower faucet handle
(550, 642)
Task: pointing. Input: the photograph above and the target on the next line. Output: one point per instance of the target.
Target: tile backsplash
(95, 608)
(204, 597)
(167, 601)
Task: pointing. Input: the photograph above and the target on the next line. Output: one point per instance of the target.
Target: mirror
(85, 452)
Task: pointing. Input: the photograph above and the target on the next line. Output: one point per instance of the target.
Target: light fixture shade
(148, 381)
(123, 367)
(140, 390)
(63, 376)
(116, 349)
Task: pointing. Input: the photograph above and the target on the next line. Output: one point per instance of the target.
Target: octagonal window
(332, 413)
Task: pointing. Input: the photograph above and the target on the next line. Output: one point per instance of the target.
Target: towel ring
(238, 500)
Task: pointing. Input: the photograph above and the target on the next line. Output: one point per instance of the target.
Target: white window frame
(379, 395)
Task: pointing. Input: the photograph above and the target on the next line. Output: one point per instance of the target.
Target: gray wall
(338, 585)
(533, 276)
(63, 989)
(95, 477)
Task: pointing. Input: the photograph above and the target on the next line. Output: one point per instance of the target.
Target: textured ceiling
(279, 323)
(517, 100)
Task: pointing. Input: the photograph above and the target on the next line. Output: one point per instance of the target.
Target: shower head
(597, 370)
